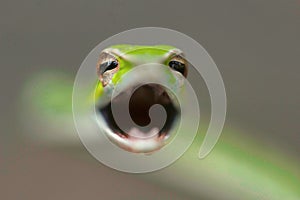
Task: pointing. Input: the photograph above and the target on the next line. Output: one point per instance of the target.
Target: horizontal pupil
(108, 66)
(111, 65)
(178, 66)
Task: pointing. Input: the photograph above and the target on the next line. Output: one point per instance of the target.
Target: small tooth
(160, 90)
(172, 96)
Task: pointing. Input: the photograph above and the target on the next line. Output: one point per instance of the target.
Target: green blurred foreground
(239, 167)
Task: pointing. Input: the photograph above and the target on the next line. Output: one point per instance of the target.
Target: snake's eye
(178, 64)
(107, 66)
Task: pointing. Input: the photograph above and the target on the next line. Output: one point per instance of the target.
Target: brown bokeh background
(255, 44)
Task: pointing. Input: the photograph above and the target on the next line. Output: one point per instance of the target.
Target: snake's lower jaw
(134, 139)
(139, 145)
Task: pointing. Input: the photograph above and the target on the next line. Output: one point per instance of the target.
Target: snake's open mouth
(132, 138)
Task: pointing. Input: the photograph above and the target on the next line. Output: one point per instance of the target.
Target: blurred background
(256, 47)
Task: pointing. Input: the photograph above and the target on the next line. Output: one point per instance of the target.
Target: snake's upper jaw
(134, 139)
